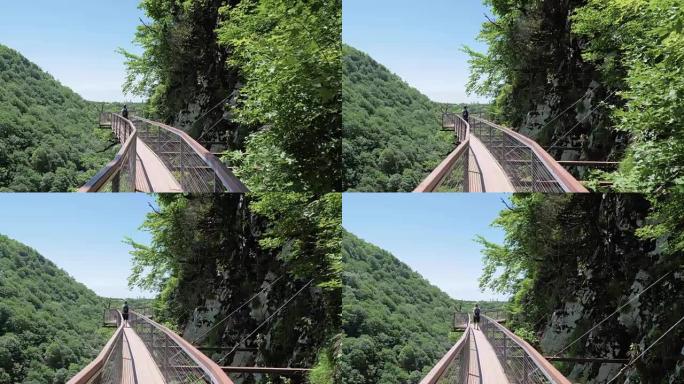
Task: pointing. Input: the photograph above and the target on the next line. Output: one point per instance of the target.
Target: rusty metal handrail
(172, 359)
(503, 142)
(528, 367)
(457, 159)
(123, 163)
(454, 363)
(93, 372)
(182, 153)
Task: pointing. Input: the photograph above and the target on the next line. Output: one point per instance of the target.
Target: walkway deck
(145, 368)
(151, 173)
(486, 357)
(494, 177)
(474, 374)
(127, 375)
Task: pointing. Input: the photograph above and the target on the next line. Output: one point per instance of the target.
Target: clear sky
(431, 232)
(81, 233)
(419, 40)
(75, 41)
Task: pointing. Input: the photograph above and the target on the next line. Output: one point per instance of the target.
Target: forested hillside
(396, 324)
(572, 260)
(591, 80)
(259, 80)
(48, 135)
(49, 323)
(210, 254)
(391, 131)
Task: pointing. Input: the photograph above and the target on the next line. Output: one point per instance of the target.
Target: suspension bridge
(142, 351)
(155, 157)
(490, 353)
(493, 158)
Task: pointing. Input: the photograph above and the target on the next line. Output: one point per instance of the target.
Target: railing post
(165, 356)
(466, 171)
(180, 160)
(532, 178)
(505, 352)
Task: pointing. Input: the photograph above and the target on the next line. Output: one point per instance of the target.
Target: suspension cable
(567, 109)
(581, 121)
(212, 108)
(204, 132)
(612, 314)
(645, 350)
(220, 361)
(205, 333)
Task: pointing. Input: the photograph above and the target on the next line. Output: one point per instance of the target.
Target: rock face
(618, 273)
(555, 95)
(229, 296)
(195, 98)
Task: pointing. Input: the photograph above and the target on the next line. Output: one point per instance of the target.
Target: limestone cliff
(609, 267)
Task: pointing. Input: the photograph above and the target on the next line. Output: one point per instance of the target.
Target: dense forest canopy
(391, 131)
(392, 138)
(210, 253)
(572, 260)
(49, 140)
(591, 80)
(273, 68)
(396, 324)
(49, 323)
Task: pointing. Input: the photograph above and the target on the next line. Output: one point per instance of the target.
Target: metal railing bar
(95, 368)
(222, 172)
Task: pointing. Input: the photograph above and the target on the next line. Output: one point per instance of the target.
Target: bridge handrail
(208, 366)
(225, 175)
(437, 372)
(544, 366)
(95, 367)
(567, 182)
(127, 134)
(462, 131)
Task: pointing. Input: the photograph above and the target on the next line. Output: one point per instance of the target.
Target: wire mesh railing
(119, 174)
(105, 119)
(452, 174)
(461, 320)
(528, 167)
(520, 361)
(107, 368)
(453, 368)
(176, 359)
(196, 169)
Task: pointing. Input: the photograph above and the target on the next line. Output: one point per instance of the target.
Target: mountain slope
(49, 323)
(391, 132)
(48, 140)
(396, 324)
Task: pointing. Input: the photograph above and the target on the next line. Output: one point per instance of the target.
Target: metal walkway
(145, 352)
(155, 157)
(492, 158)
(491, 355)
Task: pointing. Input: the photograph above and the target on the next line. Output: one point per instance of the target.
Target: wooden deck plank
(474, 365)
(495, 179)
(492, 372)
(146, 369)
(154, 172)
(128, 375)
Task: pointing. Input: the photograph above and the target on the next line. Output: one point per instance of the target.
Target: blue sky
(432, 232)
(82, 234)
(75, 41)
(418, 40)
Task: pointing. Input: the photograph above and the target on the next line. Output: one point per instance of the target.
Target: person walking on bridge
(124, 112)
(124, 312)
(476, 316)
(465, 113)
